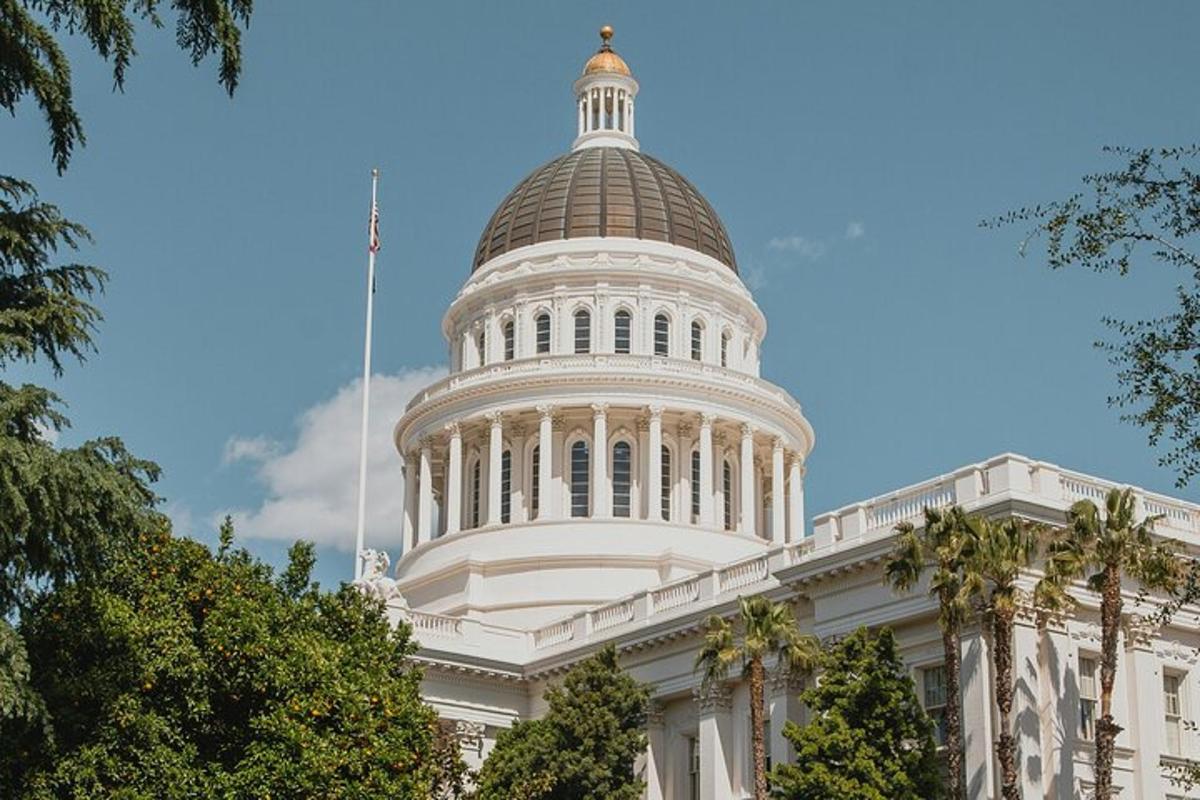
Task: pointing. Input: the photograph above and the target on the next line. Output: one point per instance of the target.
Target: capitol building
(605, 464)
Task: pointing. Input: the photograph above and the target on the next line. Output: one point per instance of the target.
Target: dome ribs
(605, 191)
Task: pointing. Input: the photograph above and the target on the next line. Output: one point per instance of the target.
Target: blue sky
(850, 148)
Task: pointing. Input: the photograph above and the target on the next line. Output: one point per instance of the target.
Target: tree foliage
(868, 737)
(1146, 210)
(585, 746)
(179, 673)
(33, 63)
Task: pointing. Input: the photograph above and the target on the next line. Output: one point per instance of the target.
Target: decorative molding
(1140, 631)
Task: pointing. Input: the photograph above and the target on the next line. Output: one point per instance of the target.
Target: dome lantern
(604, 96)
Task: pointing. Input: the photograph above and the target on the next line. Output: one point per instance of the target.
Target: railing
(745, 573)
(656, 365)
(675, 595)
(435, 624)
(611, 615)
(1079, 487)
(555, 633)
(1173, 513)
(909, 505)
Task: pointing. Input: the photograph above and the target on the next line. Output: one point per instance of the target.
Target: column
(716, 742)
(601, 486)
(411, 480)
(681, 508)
(1146, 721)
(425, 498)
(545, 462)
(629, 111)
(654, 473)
(783, 706)
(558, 469)
(778, 518)
(749, 506)
(454, 480)
(519, 509)
(796, 498)
(1058, 709)
(656, 753)
(1027, 691)
(495, 450)
(977, 708)
(706, 470)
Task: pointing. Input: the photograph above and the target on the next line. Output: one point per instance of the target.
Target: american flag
(374, 245)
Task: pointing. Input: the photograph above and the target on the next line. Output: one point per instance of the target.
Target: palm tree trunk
(954, 755)
(757, 681)
(1002, 654)
(1106, 728)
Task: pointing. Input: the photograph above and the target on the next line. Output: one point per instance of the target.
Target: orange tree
(179, 672)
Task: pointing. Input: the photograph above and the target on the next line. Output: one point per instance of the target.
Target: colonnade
(606, 461)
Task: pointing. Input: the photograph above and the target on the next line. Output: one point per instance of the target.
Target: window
(1087, 697)
(1171, 709)
(579, 479)
(725, 349)
(933, 698)
(506, 486)
(693, 768)
(695, 485)
(508, 341)
(542, 323)
(583, 332)
(662, 335)
(475, 475)
(622, 323)
(535, 489)
(481, 345)
(665, 486)
(697, 341)
(727, 489)
(622, 477)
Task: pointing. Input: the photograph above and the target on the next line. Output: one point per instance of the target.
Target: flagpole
(366, 384)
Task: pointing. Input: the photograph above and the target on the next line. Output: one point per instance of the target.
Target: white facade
(604, 464)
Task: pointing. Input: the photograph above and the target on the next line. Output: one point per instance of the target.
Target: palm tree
(942, 547)
(1101, 551)
(768, 629)
(1002, 551)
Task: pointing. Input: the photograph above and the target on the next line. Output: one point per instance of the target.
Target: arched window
(579, 479)
(665, 483)
(542, 323)
(622, 477)
(622, 322)
(475, 484)
(725, 349)
(695, 485)
(727, 490)
(481, 347)
(583, 331)
(506, 486)
(509, 350)
(535, 484)
(662, 335)
(697, 341)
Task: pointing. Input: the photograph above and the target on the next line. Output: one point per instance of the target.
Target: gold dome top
(605, 59)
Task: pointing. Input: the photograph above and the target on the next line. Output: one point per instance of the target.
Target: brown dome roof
(605, 191)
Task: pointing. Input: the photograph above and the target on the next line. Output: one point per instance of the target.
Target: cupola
(604, 97)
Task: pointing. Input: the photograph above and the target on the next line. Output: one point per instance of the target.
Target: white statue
(375, 581)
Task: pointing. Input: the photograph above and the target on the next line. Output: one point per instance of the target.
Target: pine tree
(868, 737)
(584, 748)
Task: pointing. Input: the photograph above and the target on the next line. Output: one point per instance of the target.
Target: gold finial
(606, 33)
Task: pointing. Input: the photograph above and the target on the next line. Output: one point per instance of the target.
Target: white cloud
(809, 249)
(311, 486)
(252, 448)
(855, 230)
